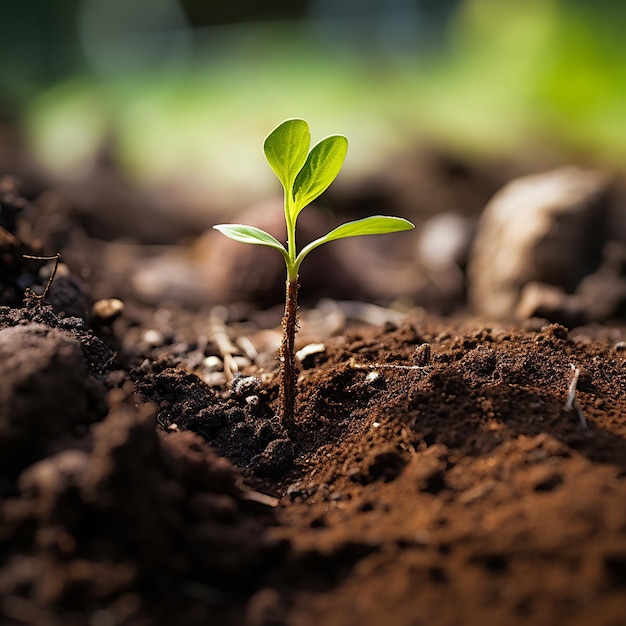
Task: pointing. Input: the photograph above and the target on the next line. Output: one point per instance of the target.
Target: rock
(551, 303)
(603, 293)
(600, 296)
(546, 228)
(107, 310)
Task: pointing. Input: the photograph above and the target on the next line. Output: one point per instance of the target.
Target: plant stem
(287, 356)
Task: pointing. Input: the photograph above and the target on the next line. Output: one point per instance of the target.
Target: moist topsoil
(442, 471)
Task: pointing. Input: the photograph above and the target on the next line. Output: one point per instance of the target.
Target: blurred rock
(107, 310)
(603, 293)
(546, 228)
(552, 303)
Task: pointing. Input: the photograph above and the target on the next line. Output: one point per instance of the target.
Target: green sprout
(305, 174)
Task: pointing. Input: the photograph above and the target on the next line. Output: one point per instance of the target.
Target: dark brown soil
(442, 470)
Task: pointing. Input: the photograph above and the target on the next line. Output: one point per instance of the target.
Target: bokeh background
(178, 95)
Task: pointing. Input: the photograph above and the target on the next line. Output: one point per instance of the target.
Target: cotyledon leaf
(286, 149)
(319, 171)
(250, 234)
(373, 225)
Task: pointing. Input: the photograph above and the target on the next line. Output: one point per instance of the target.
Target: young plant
(304, 175)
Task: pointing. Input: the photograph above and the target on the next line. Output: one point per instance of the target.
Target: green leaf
(250, 234)
(319, 171)
(373, 225)
(286, 149)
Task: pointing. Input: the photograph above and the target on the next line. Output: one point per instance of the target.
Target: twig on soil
(571, 403)
(56, 258)
(256, 496)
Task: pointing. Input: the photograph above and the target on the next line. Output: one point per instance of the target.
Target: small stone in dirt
(106, 311)
(552, 303)
(304, 355)
(212, 364)
(545, 228)
(243, 386)
(153, 337)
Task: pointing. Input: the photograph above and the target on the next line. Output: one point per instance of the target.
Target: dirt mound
(116, 521)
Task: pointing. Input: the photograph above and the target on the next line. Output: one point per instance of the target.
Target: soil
(442, 470)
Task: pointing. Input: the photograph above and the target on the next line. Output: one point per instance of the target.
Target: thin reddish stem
(287, 357)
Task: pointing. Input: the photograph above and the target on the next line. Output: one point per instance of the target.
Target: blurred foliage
(178, 93)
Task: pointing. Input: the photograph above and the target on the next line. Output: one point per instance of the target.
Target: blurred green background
(179, 94)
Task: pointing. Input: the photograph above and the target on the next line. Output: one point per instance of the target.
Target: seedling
(304, 174)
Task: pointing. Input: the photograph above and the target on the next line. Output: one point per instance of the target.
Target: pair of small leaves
(305, 176)
(373, 225)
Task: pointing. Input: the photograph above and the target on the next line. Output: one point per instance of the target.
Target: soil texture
(445, 471)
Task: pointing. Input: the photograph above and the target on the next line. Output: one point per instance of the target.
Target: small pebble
(372, 376)
(212, 364)
(310, 349)
(107, 310)
(153, 337)
(244, 385)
